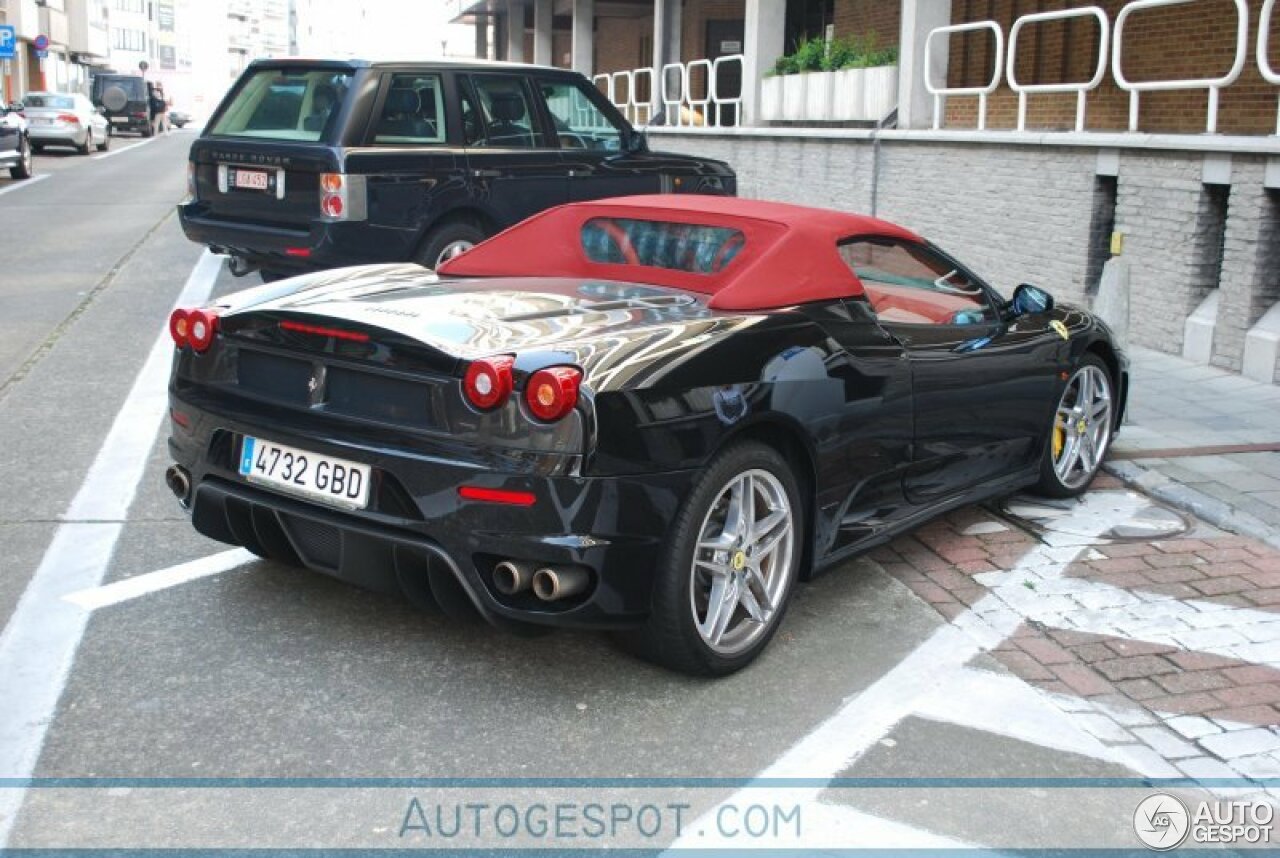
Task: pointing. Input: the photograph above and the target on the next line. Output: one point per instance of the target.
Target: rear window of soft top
(689, 247)
(291, 104)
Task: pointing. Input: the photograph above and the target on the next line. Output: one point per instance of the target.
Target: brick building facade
(1199, 214)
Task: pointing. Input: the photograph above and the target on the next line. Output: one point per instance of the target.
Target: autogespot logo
(1161, 821)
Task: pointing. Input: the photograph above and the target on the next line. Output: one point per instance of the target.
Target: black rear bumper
(296, 248)
(420, 538)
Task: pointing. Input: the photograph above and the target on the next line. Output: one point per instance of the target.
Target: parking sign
(8, 42)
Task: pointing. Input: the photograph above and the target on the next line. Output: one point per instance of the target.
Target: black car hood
(596, 324)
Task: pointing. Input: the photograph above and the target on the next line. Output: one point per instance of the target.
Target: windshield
(284, 104)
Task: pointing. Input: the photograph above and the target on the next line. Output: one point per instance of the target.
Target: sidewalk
(1204, 440)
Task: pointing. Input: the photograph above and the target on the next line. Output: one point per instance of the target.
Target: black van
(124, 100)
(315, 164)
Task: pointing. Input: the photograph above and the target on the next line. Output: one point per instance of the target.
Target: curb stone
(1193, 501)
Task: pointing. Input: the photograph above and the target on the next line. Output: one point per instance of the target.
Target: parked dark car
(653, 414)
(125, 100)
(308, 165)
(15, 146)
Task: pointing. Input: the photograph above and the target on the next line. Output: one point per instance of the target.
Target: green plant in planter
(848, 52)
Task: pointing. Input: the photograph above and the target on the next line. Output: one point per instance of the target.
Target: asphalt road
(261, 671)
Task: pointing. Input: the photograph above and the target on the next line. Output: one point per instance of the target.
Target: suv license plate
(334, 481)
(250, 180)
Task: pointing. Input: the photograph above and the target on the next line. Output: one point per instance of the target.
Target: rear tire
(25, 167)
(87, 146)
(751, 578)
(1081, 431)
(448, 240)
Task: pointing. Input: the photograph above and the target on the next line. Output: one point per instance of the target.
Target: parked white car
(65, 119)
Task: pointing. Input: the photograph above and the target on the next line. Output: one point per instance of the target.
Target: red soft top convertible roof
(789, 256)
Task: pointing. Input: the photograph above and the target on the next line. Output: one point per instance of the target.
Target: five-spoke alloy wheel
(742, 562)
(1082, 427)
(730, 566)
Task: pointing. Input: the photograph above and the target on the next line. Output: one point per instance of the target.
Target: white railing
(1212, 84)
(1079, 88)
(940, 92)
(1115, 56)
(1264, 64)
(682, 107)
(723, 101)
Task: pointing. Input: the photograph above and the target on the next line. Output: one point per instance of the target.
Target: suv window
(908, 283)
(579, 123)
(413, 111)
(506, 113)
(284, 104)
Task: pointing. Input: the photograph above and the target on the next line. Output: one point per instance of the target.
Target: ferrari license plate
(324, 478)
(250, 180)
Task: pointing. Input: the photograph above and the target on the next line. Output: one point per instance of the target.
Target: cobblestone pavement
(1205, 440)
(1167, 651)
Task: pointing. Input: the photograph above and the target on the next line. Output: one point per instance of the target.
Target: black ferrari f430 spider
(654, 415)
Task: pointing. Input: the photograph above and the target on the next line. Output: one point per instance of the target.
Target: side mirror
(1030, 300)
(636, 141)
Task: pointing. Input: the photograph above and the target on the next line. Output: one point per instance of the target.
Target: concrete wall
(1024, 213)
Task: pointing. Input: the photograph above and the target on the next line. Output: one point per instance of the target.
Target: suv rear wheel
(446, 241)
(22, 169)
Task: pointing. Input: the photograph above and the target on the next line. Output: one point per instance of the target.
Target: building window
(129, 40)
(139, 6)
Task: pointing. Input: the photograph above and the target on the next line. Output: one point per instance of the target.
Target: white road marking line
(1006, 706)
(1251, 634)
(835, 744)
(23, 183)
(141, 585)
(39, 644)
(113, 152)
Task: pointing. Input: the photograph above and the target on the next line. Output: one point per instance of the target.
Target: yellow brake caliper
(1059, 437)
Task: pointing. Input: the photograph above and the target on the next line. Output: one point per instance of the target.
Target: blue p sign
(8, 42)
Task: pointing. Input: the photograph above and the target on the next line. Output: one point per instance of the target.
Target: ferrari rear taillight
(551, 393)
(193, 328)
(488, 382)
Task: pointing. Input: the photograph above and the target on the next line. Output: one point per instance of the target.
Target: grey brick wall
(1251, 260)
(1026, 213)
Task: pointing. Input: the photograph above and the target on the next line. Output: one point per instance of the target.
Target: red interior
(790, 255)
(914, 306)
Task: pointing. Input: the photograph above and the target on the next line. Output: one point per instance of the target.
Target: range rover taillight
(342, 197)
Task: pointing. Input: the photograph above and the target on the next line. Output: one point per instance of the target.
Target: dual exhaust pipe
(549, 583)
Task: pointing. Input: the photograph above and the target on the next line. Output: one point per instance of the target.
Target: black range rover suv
(315, 164)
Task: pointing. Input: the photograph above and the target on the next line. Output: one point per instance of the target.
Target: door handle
(486, 174)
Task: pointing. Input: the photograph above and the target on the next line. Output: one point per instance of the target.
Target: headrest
(508, 106)
(402, 100)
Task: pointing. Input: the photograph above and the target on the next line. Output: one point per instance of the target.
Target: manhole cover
(1104, 515)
